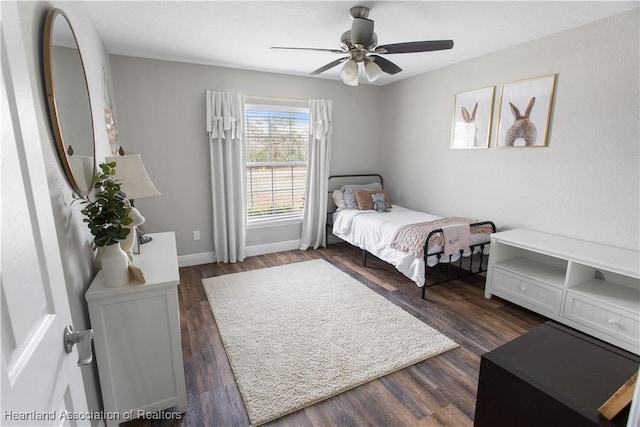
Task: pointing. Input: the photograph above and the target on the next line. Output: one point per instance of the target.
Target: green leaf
(108, 215)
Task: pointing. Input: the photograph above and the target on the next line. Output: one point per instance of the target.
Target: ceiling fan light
(352, 82)
(349, 71)
(372, 71)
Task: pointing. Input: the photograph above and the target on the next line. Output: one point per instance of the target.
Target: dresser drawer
(602, 317)
(528, 292)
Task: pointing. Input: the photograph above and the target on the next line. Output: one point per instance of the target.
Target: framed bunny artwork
(525, 112)
(472, 118)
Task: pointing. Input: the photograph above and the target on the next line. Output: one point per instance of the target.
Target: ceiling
(239, 34)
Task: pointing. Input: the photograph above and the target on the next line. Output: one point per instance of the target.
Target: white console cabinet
(590, 287)
(137, 336)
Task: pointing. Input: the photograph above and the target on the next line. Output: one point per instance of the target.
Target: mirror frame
(54, 113)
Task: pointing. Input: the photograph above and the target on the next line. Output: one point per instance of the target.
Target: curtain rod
(268, 98)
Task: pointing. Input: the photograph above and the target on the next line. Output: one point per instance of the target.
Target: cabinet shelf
(530, 268)
(590, 287)
(609, 293)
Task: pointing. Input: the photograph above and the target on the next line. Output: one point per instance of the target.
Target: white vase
(97, 261)
(115, 266)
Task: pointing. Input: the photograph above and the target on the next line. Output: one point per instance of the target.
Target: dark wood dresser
(551, 376)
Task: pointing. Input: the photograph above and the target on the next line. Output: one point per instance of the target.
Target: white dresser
(590, 287)
(137, 336)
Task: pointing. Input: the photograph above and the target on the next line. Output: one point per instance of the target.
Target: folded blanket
(410, 238)
(456, 238)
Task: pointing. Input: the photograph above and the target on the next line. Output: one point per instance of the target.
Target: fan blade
(309, 48)
(328, 66)
(410, 47)
(386, 65)
(361, 31)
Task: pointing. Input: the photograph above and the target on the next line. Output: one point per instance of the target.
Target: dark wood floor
(440, 391)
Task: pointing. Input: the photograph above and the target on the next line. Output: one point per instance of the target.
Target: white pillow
(338, 199)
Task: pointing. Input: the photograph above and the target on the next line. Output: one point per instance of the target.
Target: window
(277, 139)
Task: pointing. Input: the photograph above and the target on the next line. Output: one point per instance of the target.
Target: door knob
(83, 339)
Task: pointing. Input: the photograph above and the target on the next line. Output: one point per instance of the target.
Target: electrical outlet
(196, 234)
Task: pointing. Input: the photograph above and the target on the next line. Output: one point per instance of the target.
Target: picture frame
(472, 118)
(525, 112)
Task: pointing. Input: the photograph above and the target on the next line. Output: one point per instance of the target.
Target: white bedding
(374, 232)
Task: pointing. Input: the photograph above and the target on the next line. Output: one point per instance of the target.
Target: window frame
(277, 105)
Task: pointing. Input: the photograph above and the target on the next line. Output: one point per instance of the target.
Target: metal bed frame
(438, 255)
(469, 271)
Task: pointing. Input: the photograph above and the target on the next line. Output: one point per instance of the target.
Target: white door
(41, 384)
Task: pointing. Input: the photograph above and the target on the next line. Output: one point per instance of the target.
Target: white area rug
(300, 333)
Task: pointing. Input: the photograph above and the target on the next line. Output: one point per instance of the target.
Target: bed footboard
(460, 270)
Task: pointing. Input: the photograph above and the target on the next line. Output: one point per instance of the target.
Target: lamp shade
(353, 82)
(349, 72)
(133, 177)
(372, 70)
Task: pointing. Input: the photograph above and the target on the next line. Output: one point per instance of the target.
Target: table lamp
(135, 182)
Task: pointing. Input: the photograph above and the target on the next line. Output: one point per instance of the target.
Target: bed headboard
(337, 181)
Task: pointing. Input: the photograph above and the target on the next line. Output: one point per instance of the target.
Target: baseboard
(270, 248)
(195, 259)
(208, 257)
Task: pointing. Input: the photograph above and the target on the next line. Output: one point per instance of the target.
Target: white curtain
(225, 124)
(315, 208)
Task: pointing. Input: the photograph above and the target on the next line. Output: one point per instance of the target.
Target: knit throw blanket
(411, 237)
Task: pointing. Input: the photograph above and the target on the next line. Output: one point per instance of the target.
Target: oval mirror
(69, 106)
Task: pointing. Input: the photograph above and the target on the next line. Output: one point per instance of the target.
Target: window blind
(276, 139)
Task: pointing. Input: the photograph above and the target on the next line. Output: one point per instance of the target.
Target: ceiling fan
(360, 44)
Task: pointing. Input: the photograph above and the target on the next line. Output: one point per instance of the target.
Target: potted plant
(108, 216)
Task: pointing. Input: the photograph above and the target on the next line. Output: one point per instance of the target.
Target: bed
(412, 241)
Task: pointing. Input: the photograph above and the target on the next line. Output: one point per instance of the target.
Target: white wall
(161, 115)
(585, 184)
(74, 238)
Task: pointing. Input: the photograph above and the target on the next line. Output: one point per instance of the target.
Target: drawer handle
(612, 322)
(523, 288)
